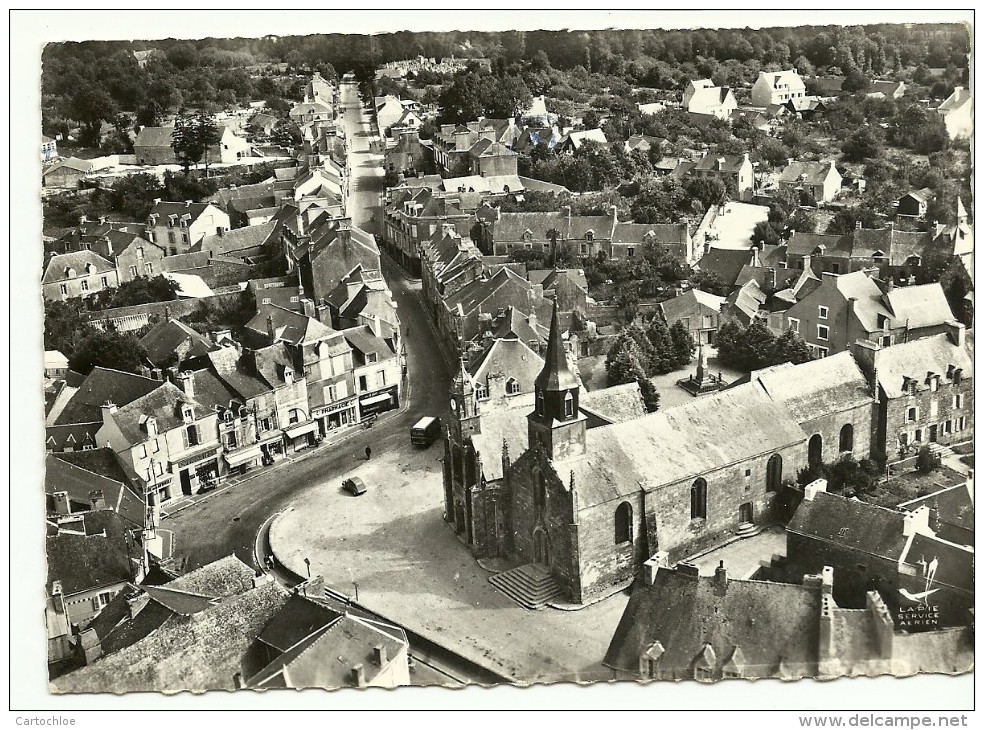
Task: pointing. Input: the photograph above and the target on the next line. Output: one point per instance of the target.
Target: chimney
(755, 257)
(379, 655)
(271, 330)
(108, 408)
(308, 306)
(934, 517)
(789, 161)
(172, 375)
(916, 521)
(136, 602)
(652, 566)
(890, 284)
(237, 680)
(62, 504)
(688, 570)
(97, 500)
(359, 675)
(811, 490)
(167, 313)
(82, 220)
(827, 581)
(771, 280)
(188, 203)
(186, 381)
(721, 577)
(851, 304)
(614, 212)
(957, 333)
(857, 225)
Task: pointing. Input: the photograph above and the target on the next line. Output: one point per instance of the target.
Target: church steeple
(465, 419)
(556, 423)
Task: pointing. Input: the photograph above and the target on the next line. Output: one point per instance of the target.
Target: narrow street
(228, 521)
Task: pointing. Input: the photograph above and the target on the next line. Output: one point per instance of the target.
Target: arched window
(539, 402)
(698, 500)
(773, 473)
(847, 438)
(815, 450)
(569, 405)
(539, 489)
(623, 523)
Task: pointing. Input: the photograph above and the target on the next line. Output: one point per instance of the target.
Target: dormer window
(934, 382)
(589, 236)
(227, 416)
(242, 411)
(482, 392)
(89, 268)
(569, 405)
(512, 386)
(370, 357)
(187, 414)
(288, 375)
(69, 273)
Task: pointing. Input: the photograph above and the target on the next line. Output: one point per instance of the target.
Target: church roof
(556, 373)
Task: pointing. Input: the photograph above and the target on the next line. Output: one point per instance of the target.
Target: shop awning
(238, 458)
(271, 436)
(381, 398)
(301, 429)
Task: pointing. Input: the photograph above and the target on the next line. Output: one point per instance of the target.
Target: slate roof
(869, 305)
(721, 163)
(271, 363)
(364, 341)
(850, 523)
(291, 327)
(708, 97)
(664, 233)
(914, 359)
(162, 340)
(517, 325)
(732, 426)
(228, 576)
(919, 306)
(164, 403)
(167, 208)
(154, 137)
(727, 263)
(955, 506)
(101, 461)
(817, 388)
(99, 386)
(614, 404)
(512, 226)
(224, 196)
(238, 239)
(809, 172)
(956, 100)
(73, 435)
(61, 475)
(504, 424)
(548, 278)
(196, 653)
(680, 306)
(89, 561)
(298, 619)
(54, 271)
(768, 622)
(509, 359)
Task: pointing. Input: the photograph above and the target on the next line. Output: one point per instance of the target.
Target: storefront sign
(194, 459)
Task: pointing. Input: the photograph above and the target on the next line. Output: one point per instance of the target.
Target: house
(567, 287)
(121, 243)
(886, 89)
(389, 111)
(79, 274)
(55, 364)
(238, 200)
(735, 171)
(171, 343)
(334, 249)
(699, 311)
(362, 298)
(377, 370)
(537, 114)
(413, 216)
(90, 481)
(924, 389)
(489, 159)
(915, 202)
(892, 253)
(676, 167)
(262, 124)
(630, 239)
(727, 263)
(533, 136)
(926, 582)
(777, 87)
(573, 141)
(713, 101)
(254, 242)
(644, 143)
(849, 307)
(680, 624)
(179, 226)
(407, 156)
(813, 182)
(91, 556)
(66, 174)
(958, 113)
(222, 627)
(305, 112)
(652, 109)
(153, 147)
(49, 149)
(692, 87)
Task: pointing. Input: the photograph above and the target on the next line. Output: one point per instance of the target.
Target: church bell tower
(556, 424)
(465, 416)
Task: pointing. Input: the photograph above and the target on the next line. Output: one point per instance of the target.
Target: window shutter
(184, 437)
(95, 603)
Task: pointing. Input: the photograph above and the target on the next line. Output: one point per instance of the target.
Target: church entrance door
(541, 547)
(745, 513)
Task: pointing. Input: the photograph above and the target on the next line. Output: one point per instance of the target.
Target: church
(585, 501)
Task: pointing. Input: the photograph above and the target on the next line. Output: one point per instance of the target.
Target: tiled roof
(364, 341)
(919, 306)
(915, 359)
(100, 386)
(727, 263)
(732, 426)
(812, 173)
(228, 576)
(768, 622)
(664, 233)
(93, 560)
(154, 137)
(682, 305)
(817, 388)
(238, 239)
(162, 340)
(511, 359)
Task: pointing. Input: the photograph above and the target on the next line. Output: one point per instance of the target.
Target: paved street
(227, 522)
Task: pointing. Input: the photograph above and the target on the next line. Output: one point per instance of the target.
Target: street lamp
(356, 586)
(307, 562)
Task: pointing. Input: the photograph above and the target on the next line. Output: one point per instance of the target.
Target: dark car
(354, 486)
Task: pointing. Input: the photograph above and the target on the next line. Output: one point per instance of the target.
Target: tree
(109, 350)
(764, 234)
(663, 353)
(142, 290)
(683, 344)
(710, 191)
(862, 145)
(133, 195)
(710, 282)
(650, 396)
(790, 347)
(193, 136)
(854, 81)
(90, 107)
(927, 461)
(64, 325)
(754, 347)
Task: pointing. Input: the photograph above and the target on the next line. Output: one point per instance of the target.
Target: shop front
(380, 401)
(197, 470)
(271, 446)
(299, 436)
(242, 460)
(336, 416)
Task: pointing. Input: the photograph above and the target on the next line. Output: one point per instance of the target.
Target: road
(228, 522)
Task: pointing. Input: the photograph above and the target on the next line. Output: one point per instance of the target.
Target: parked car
(354, 486)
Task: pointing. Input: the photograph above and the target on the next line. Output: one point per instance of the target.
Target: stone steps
(531, 585)
(940, 450)
(747, 529)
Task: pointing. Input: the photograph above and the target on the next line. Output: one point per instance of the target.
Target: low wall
(128, 319)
